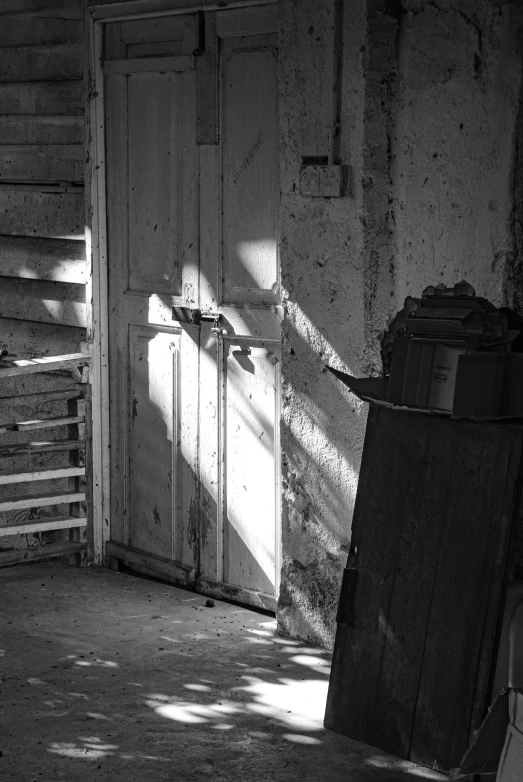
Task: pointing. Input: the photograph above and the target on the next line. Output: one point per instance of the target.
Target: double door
(191, 132)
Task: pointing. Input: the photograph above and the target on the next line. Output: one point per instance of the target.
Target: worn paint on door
(195, 409)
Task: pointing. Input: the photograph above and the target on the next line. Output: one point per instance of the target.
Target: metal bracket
(197, 317)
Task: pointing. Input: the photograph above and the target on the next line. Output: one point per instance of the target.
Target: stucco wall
(430, 102)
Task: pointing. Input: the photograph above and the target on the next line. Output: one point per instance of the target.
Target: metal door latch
(197, 317)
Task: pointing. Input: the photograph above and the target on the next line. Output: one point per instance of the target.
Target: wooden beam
(9, 477)
(43, 423)
(109, 9)
(51, 215)
(50, 551)
(59, 260)
(20, 129)
(43, 301)
(43, 525)
(31, 63)
(38, 501)
(47, 98)
(151, 564)
(20, 449)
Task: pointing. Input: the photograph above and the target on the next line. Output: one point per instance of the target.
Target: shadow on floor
(110, 676)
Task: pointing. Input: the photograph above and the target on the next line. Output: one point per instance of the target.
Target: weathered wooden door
(192, 196)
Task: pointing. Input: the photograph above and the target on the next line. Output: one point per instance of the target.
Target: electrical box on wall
(319, 179)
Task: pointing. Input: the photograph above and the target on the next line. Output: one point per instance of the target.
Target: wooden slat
(40, 500)
(52, 215)
(43, 423)
(40, 29)
(20, 6)
(150, 65)
(32, 63)
(51, 551)
(59, 260)
(19, 449)
(9, 477)
(42, 98)
(47, 364)
(471, 564)
(43, 301)
(22, 129)
(46, 163)
(43, 525)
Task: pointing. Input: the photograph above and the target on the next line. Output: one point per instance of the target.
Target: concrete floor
(108, 676)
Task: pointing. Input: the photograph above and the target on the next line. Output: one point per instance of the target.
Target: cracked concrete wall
(430, 124)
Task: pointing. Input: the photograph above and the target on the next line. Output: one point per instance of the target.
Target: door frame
(96, 13)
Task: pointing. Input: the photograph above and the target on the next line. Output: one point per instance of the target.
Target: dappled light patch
(290, 703)
(94, 748)
(89, 749)
(312, 662)
(299, 738)
(82, 662)
(395, 764)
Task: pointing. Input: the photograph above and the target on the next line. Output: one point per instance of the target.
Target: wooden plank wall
(42, 250)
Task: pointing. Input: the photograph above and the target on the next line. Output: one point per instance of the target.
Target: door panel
(250, 170)
(251, 382)
(153, 159)
(153, 436)
(167, 35)
(195, 409)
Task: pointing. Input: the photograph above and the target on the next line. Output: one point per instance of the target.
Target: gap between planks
(18, 449)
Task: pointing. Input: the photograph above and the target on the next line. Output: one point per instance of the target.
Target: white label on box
(443, 377)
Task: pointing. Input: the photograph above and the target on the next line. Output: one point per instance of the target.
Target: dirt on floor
(110, 676)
